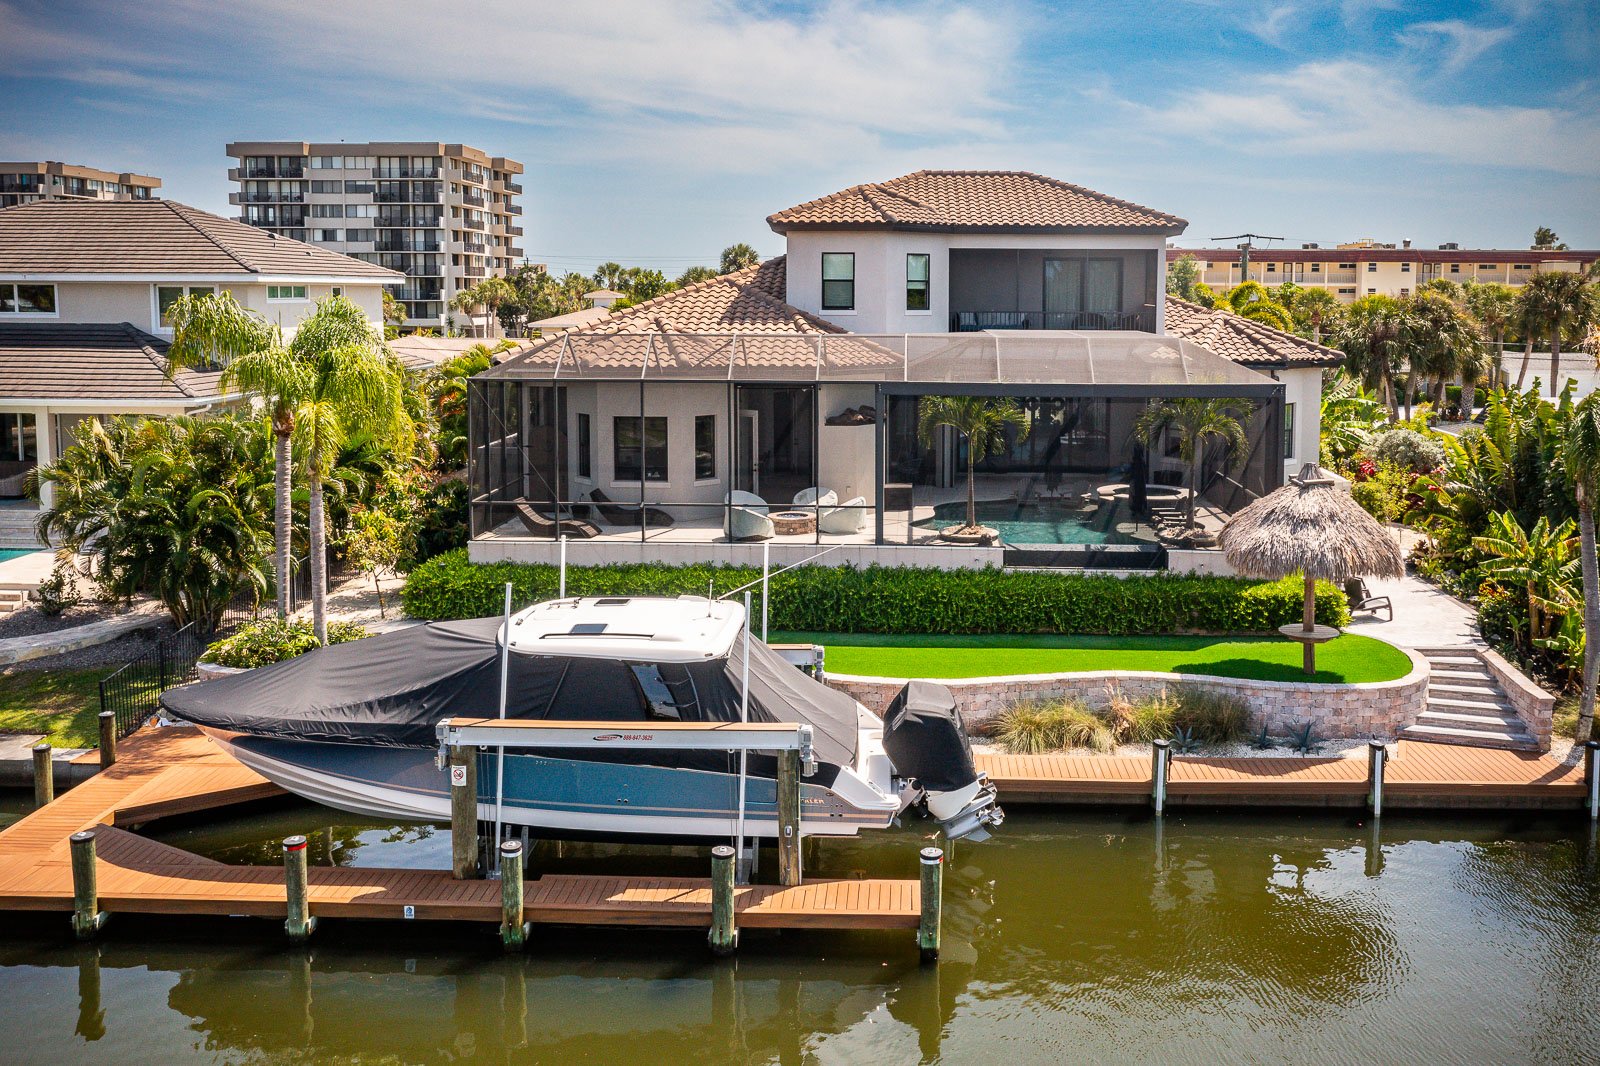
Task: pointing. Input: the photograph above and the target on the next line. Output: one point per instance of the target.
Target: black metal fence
(133, 691)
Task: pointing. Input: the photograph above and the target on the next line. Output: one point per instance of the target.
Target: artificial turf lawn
(64, 705)
(1346, 659)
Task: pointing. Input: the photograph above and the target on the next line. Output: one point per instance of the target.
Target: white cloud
(1352, 109)
(1462, 41)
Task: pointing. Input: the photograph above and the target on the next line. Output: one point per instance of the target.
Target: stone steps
(1467, 705)
(12, 600)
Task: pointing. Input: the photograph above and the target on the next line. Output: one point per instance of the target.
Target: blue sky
(659, 132)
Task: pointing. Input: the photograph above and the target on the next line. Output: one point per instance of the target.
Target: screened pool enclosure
(746, 437)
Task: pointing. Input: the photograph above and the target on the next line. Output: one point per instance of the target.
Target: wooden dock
(164, 772)
(1418, 775)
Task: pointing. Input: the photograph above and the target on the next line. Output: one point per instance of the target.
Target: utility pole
(1245, 249)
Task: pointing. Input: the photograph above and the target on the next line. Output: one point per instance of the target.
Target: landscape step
(1464, 675)
(1456, 688)
(1453, 660)
(1473, 706)
(1469, 737)
(1490, 722)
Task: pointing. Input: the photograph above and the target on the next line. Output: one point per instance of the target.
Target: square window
(1372, 268)
(585, 447)
(639, 450)
(1455, 268)
(838, 281)
(705, 447)
(1405, 268)
(1316, 268)
(918, 267)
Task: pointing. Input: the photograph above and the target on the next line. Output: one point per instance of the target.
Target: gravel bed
(1325, 749)
(110, 655)
(30, 620)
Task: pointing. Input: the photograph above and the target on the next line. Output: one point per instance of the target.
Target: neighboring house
(444, 215)
(425, 353)
(1351, 271)
(699, 424)
(26, 183)
(83, 291)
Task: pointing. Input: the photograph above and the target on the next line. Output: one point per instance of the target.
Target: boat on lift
(354, 726)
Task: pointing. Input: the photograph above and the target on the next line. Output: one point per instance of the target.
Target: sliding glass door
(1082, 293)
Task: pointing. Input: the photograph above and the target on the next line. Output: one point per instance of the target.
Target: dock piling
(724, 935)
(1591, 776)
(1377, 758)
(108, 739)
(513, 929)
(932, 892)
(44, 776)
(87, 918)
(464, 862)
(1160, 767)
(298, 922)
(789, 854)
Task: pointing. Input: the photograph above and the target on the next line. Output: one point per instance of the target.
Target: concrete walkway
(16, 762)
(1424, 615)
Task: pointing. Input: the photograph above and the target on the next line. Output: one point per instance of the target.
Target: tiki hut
(1312, 527)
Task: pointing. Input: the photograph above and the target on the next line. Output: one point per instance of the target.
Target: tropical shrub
(60, 590)
(880, 599)
(1409, 450)
(274, 640)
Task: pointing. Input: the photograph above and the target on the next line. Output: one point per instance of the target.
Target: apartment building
(26, 183)
(1366, 268)
(444, 215)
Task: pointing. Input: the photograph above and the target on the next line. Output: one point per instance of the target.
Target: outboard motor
(924, 738)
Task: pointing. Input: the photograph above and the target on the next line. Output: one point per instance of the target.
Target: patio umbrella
(1138, 498)
(1310, 526)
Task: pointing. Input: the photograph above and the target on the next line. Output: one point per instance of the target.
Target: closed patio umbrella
(1313, 527)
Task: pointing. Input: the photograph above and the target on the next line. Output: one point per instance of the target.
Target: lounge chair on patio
(540, 526)
(1362, 599)
(626, 514)
(816, 496)
(747, 517)
(848, 517)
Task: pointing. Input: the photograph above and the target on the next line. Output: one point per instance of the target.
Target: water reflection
(1068, 937)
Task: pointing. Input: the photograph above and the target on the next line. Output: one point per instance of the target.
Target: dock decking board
(162, 772)
(1419, 774)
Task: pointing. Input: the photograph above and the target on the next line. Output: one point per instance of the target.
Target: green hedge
(900, 600)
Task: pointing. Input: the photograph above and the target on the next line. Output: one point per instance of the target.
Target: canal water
(1073, 936)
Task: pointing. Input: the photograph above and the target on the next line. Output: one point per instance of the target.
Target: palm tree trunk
(319, 562)
(280, 517)
(1194, 481)
(1555, 359)
(972, 488)
(1527, 355)
(1591, 618)
(1441, 395)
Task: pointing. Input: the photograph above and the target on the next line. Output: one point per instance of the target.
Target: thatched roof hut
(1311, 526)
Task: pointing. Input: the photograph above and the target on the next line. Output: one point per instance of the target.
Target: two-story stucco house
(84, 287)
(778, 409)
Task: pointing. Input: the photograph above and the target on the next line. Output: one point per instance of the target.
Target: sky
(656, 133)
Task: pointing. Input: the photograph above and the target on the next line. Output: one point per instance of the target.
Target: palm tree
(491, 293)
(738, 257)
(208, 329)
(1349, 418)
(1372, 335)
(1443, 343)
(1494, 306)
(610, 276)
(1527, 317)
(467, 301)
(1580, 459)
(982, 421)
(351, 384)
(1196, 421)
(1317, 308)
(1254, 301)
(1565, 302)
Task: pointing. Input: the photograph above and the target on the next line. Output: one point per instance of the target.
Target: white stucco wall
(679, 404)
(1303, 389)
(881, 271)
(135, 302)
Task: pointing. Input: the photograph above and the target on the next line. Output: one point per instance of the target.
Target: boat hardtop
(635, 628)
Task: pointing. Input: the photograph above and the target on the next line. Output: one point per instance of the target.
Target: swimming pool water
(1044, 521)
(14, 553)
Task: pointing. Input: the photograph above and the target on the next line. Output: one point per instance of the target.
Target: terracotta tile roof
(1245, 341)
(976, 200)
(111, 361)
(424, 353)
(160, 237)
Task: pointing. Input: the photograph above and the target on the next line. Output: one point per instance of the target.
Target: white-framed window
(838, 281)
(286, 292)
(1372, 268)
(1316, 268)
(639, 450)
(1347, 292)
(585, 449)
(1455, 268)
(167, 295)
(1372, 292)
(328, 234)
(28, 298)
(1272, 268)
(1405, 268)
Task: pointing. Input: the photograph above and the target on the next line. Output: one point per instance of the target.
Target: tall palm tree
(1443, 343)
(467, 301)
(982, 421)
(1494, 306)
(610, 276)
(1564, 302)
(738, 257)
(1197, 421)
(1317, 308)
(351, 384)
(208, 329)
(1527, 318)
(491, 293)
(1580, 459)
(1372, 335)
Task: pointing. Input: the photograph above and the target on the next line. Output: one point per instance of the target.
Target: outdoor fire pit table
(793, 523)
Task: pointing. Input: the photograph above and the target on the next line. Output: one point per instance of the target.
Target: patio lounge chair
(848, 517)
(626, 514)
(540, 526)
(816, 496)
(747, 517)
(1362, 599)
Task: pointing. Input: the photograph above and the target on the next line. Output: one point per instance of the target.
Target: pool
(15, 553)
(1066, 521)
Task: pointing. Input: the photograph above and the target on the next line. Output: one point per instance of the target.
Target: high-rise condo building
(26, 183)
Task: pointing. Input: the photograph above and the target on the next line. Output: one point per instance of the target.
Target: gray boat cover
(392, 690)
(925, 738)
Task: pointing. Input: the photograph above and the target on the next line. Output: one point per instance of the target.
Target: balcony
(424, 292)
(513, 209)
(1340, 277)
(972, 321)
(473, 200)
(391, 173)
(513, 188)
(270, 198)
(470, 271)
(275, 172)
(391, 245)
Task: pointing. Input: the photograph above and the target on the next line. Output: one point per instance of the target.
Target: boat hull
(575, 796)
